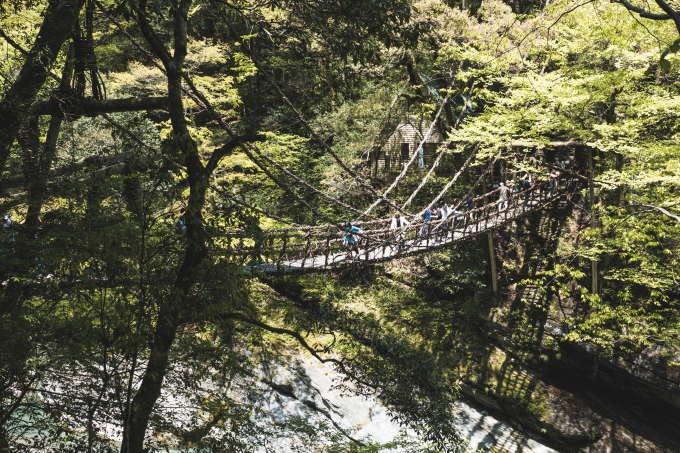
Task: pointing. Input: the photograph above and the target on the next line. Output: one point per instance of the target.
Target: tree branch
(659, 209)
(226, 149)
(151, 37)
(642, 12)
(91, 107)
(296, 335)
(671, 12)
(13, 43)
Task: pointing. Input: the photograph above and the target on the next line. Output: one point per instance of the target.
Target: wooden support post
(593, 219)
(283, 251)
(492, 257)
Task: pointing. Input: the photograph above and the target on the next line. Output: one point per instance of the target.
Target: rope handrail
(438, 223)
(416, 221)
(319, 250)
(305, 232)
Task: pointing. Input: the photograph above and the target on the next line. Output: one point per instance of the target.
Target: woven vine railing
(324, 247)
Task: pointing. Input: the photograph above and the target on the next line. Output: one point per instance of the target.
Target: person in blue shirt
(181, 224)
(351, 238)
(470, 205)
(7, 226)
(427, 218)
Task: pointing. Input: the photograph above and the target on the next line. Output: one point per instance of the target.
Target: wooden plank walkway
(323, 248)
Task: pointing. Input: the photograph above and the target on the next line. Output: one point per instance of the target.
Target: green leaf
(665, 64)
(675, 46)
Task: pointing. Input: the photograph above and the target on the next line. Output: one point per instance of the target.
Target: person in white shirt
(398, 223)
(503, 197)
(444, 210)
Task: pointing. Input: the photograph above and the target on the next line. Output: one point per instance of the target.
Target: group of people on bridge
(447, 217)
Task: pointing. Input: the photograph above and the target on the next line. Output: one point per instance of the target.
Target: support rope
(413, 156)
(301, 118)
(440, 155)
(232, 198)
(479, 180)
(287, 172)
(453, 180)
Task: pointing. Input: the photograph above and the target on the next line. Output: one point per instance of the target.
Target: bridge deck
(322, 249)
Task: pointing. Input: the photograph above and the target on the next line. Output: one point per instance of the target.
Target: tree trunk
(171, 311)
(37, 187)
(149, 391)
(57, 26)
(29, 140)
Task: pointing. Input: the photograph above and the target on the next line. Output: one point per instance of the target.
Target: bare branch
(671, 12)
(642, 12)
(296, 335)
(659, 209)
(13, 43)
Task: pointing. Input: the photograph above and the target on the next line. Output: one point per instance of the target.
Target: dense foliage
(112, 315)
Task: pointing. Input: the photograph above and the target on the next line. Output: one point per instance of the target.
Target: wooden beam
(92, 161)
(90, 107)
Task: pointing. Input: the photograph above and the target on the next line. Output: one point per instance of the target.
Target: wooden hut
(403, 142)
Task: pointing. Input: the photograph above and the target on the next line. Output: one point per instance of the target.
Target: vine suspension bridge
(318, 248)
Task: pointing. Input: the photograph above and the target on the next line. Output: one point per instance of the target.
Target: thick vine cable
(395, 233)
(439, 156)
(425, 179)
(301, 118)
(479, 181)
(234, 199)
(413, 156)
(453, 180)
